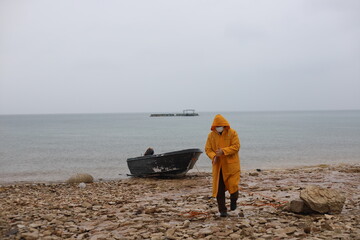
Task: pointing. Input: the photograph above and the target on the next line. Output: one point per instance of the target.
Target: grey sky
(164, 56)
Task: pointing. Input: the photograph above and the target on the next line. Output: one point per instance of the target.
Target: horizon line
(162, 112)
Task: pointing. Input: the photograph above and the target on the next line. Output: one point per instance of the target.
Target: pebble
(186, 224)
(290, 230)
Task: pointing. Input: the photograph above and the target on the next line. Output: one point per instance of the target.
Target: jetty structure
(185, 113)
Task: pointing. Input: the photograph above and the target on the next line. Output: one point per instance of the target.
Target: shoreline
(123, 176)
(147, 208)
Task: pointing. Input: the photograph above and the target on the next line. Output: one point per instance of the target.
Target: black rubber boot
(233, 205)
(223, 214)
(233, 198)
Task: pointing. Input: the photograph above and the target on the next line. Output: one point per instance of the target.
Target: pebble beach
(147, 208)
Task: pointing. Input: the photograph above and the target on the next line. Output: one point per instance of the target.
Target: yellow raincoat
(229, 142)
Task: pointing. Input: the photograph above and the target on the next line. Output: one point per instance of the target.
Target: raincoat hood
(219, 120)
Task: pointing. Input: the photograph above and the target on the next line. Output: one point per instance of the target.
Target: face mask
(219, 129)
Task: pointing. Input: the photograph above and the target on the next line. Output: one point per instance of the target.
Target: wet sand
(180, 208)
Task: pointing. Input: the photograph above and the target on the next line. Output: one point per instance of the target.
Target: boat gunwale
(190, 150)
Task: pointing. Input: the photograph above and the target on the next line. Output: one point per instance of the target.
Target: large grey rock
(323, 200)
(81, 178)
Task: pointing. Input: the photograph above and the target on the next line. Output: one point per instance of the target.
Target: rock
(254, 174)
(280, 233)
(328, 216)
(299, 206)
(150, 210)
(99, 236)
(35, 225)
(52, 238)
(262, 220)
(81, 178)
(156, 236)
(296, 206)
(244, 223)
(326, 226)
(235, 236)
(241, 214)
(186, 224)
(306, 226)
(205, 231)
(30, 236)
(169, 234)
(47, 233)
(290, 230)
(12, 231)
(87, 205)
(247, 232)
(307, 229)
(323, 200)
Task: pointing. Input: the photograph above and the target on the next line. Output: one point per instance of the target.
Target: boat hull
(171, 164)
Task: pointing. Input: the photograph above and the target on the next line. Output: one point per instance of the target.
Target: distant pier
(185, 113)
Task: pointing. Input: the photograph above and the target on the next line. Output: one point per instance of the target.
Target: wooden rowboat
(170, 164)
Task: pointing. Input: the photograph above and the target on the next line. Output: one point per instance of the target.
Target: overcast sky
(165, 56)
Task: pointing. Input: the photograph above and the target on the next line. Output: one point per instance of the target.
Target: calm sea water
(54, 147)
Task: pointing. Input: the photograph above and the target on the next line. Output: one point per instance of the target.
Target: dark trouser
(220, 197)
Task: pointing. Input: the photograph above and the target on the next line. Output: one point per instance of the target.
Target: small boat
(170, 164)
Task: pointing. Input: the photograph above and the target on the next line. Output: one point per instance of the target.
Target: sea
(52, 148)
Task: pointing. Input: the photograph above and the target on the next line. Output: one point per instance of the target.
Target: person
(222, 147)
(149, 151)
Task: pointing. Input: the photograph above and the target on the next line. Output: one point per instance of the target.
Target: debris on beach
(81, 178)
(179, 208)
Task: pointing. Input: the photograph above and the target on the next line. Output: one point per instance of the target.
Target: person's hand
(214, 161)
(219, 152)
